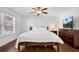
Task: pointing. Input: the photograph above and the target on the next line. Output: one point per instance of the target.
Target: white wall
(72, 12)
(42, 20)
(6, 39)
(45, 20)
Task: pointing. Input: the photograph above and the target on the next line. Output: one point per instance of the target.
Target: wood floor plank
(10, 47)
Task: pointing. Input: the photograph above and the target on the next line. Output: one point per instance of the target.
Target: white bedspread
(38, 36)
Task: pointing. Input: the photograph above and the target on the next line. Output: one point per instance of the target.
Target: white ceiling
(24, 11)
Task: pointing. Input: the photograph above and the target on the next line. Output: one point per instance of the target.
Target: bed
(38, 37)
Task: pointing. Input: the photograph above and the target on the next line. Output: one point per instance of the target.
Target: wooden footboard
(39, 44)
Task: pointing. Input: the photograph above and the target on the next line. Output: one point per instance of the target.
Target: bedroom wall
(42, 20)
(8, 38)
(45, 20)
(72, 12)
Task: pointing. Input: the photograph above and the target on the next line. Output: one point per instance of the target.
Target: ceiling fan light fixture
(40, 10)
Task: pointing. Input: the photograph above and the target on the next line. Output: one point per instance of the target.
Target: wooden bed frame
(39, 44)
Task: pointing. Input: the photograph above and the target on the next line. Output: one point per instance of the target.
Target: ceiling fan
(40, 10)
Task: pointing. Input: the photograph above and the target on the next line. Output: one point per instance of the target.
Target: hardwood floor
(11, 48)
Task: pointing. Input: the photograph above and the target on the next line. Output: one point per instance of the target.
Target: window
(7, 24)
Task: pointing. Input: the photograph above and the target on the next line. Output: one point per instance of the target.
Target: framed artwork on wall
(7, 24)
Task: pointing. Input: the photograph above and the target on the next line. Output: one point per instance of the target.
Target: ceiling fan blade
(34, 8)
(44, 9)
(45, 12)
(38, 8)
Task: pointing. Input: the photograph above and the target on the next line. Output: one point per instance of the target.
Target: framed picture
(7, 24)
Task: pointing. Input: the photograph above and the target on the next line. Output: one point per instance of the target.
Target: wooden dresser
(71, 37)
